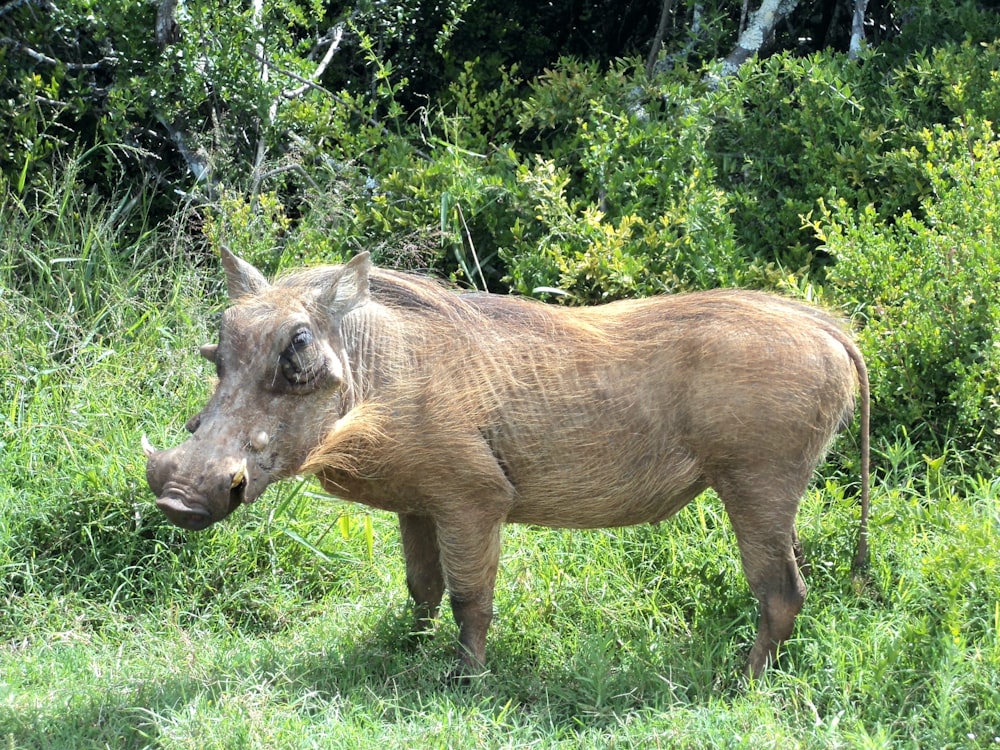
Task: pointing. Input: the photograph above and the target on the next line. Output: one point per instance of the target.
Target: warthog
(462, 412)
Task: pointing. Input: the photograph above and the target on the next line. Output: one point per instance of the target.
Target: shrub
(797, 130)
(924, 289)
(622, 200)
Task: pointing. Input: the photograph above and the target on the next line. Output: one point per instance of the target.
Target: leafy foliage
(797, 130)
(624, 199)
(925, 291)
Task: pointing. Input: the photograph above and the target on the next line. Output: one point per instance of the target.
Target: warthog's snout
(207, 496)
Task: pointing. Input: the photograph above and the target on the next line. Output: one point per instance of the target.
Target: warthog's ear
(349, 287)
(241, 278)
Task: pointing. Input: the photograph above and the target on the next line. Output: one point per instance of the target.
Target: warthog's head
(283, 379)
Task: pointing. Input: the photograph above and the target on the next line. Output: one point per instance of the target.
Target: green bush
(799, 129)
(617, 203)
(795, 131)
(623, 200)
(924, 290)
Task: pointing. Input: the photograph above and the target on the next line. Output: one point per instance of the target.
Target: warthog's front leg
(424, 577)
(470, 555)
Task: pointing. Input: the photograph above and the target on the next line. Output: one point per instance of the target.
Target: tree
(758, 32)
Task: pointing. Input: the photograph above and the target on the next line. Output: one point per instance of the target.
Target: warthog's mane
(422, 343)
(421, 333)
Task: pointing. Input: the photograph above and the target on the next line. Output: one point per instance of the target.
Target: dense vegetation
(522, 147)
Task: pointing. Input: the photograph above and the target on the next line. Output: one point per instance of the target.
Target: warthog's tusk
(239, 476)
(147, 447)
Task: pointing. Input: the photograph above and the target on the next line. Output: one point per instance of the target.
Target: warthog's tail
(860, 563)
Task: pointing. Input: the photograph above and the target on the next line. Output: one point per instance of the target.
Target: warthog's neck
(382, 349)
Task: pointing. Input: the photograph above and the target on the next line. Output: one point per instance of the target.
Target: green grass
(287, 626)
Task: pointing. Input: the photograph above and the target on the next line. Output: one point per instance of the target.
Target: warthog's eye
(301, 362)
(301, 339)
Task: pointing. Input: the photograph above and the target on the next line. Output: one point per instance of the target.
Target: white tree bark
(333, 40)
(166, 23)
(857, 28)
(759, 30)
(272, 111)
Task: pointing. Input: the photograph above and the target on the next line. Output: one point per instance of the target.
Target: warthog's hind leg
(767, 540)
(424, 576)
(781, 592)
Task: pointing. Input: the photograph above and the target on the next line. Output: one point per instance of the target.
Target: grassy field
(288, 627)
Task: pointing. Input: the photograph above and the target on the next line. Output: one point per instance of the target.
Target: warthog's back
(616, 414)
(683, 391)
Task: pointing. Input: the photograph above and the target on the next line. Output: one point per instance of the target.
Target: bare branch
(306, 85)
(759, 30)
(694, 34)
(335, 36)
(340, 100)
(661, 29)
(50, 102)
(743, 16)
(43, 58)
(167, 29)
(197, 163)
(282, 170)
(4, 10)
(265, 77)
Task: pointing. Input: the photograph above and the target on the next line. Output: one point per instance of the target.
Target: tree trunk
(758, 32)
(857, 28)
(167, 30)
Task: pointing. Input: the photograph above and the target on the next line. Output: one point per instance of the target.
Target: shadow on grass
(386, 675)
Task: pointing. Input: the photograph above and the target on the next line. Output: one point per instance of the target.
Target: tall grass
(287, 626)
(101, 317)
